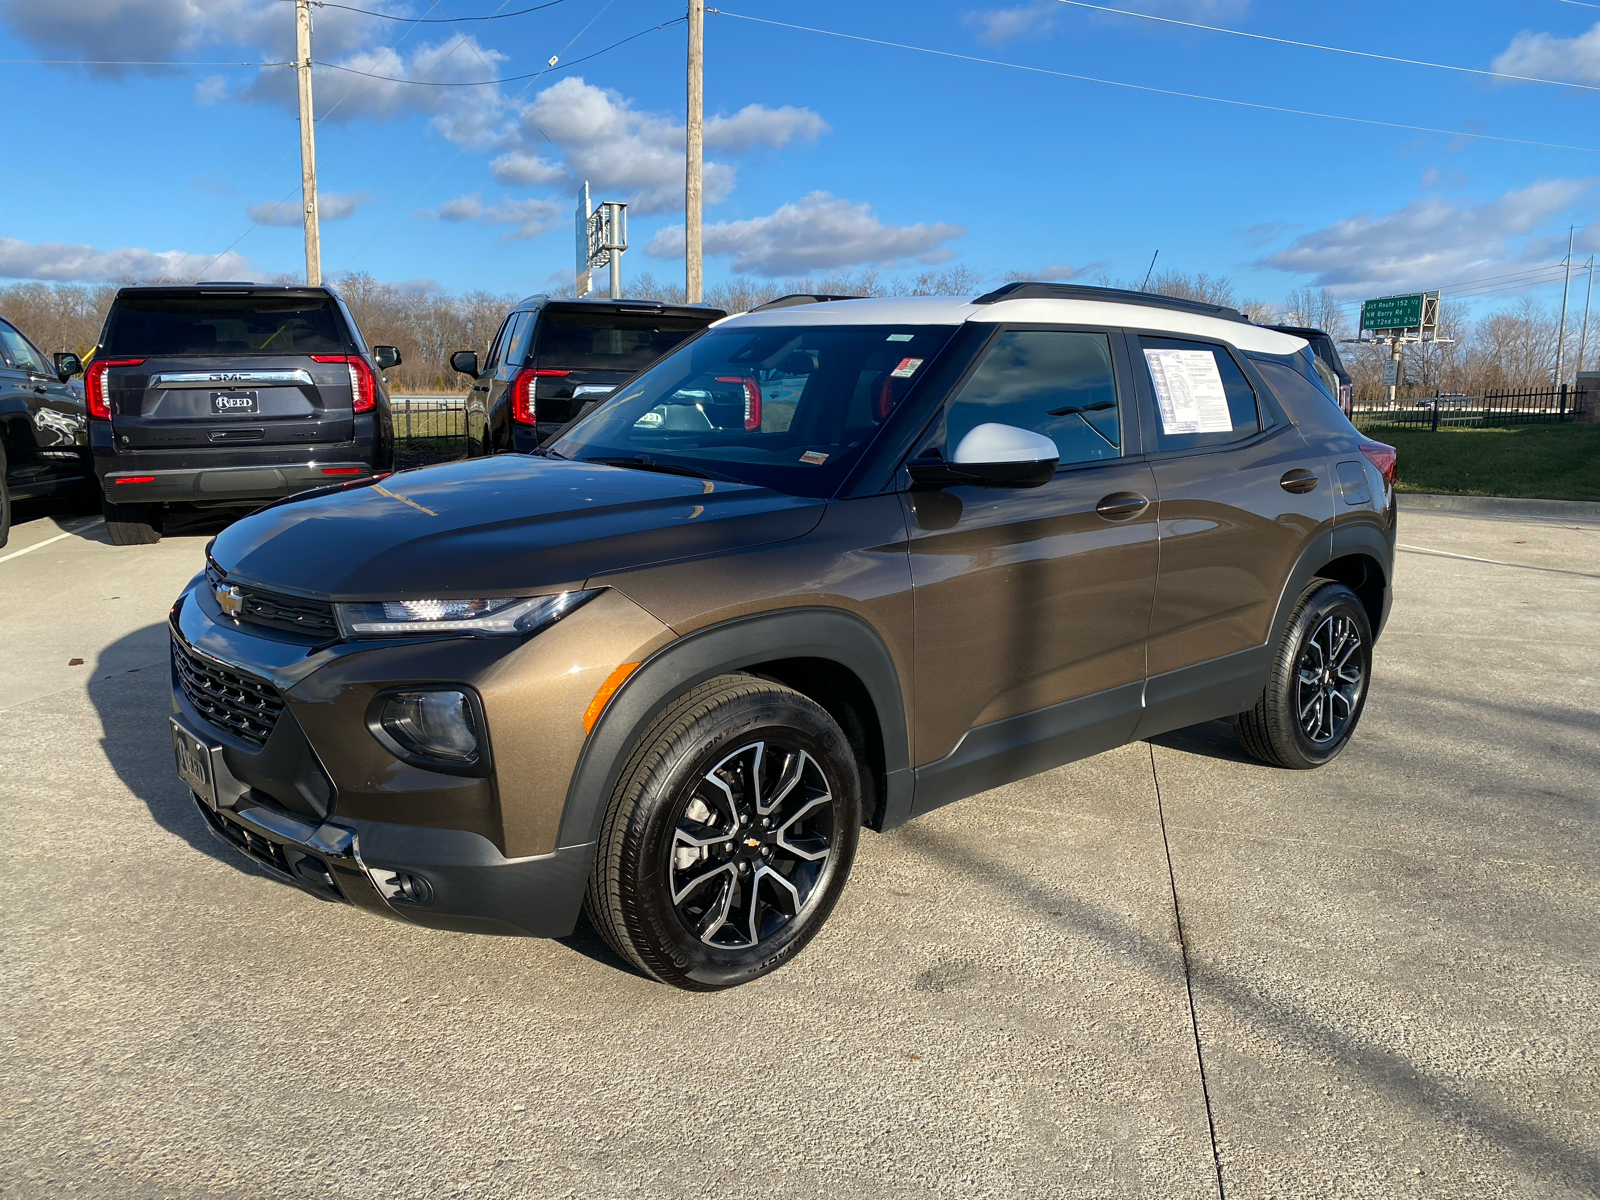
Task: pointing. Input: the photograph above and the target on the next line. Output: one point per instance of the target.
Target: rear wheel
(132, 524)
(1318, 686)
(729, 837)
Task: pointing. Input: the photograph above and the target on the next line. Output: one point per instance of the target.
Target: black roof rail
(800, 298)
(1078, 291)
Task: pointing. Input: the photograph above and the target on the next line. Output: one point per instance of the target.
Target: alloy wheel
(1330, 679)
(751, 843)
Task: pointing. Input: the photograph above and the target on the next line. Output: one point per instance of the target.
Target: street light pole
(1583, 338)
(308, 141)
(1561, 338)
(693, 278)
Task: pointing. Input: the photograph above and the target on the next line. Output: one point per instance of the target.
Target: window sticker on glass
(1189, 391)
(815, 457)
(906, 369)
(901, 337)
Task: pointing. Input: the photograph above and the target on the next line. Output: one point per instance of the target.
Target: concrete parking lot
(1165, 972)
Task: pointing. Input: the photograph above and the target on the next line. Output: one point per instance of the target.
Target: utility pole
(694, 278)
(1583, 338)
(1394, 371)
(1561, 338)
(308, 141)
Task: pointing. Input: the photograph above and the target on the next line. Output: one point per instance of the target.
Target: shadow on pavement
(1211, 739)
(137, 741)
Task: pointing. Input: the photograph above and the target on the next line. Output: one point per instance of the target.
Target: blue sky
(829, 154)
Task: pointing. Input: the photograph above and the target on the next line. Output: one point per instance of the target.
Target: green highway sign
(1392, 312)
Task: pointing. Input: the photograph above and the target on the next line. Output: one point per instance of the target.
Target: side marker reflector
(135, 479)
(603, 697)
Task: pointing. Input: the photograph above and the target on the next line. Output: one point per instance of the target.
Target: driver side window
(1057, 382)
(19, 352)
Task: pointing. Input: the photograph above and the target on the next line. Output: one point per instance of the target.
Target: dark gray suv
(227, 396)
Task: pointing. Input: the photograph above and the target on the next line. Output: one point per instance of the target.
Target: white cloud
(524, 219)
(815, 233)
(1545, 56)
(332, 206)
(1433, 241)
(997, 25)
(516, 168)
(211, 90)
(63, 263)
(757, 125)
(1058, 272)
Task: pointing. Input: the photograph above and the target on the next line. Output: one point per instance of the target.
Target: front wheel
(1318, 686)
(729, 837)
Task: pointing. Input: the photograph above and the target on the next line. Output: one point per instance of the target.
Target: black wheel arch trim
(831, 634)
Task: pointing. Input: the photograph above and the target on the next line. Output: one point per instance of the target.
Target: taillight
(752, 398)
(94, 385)
(523, 409)
(1385, 458)
(884, 404)
(363, 386)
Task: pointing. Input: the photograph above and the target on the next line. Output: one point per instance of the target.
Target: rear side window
(607, 341)
(1200, 395)
(198, 323)
(1295, 392)
(18, 351)
(1056, 382)
(517, 339)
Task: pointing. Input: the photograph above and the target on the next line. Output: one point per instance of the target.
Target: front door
(1032, 604)
(1241, 497)
(54, 445)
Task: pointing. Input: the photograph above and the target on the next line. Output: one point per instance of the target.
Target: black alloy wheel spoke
(1329, 679)
(752, 841)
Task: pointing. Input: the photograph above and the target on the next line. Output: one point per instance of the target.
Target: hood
(508, 525)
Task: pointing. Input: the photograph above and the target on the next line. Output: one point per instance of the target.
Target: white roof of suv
(951, 310)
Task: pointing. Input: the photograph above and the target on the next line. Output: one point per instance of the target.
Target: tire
(5, 501)
(131, 524)
(677, 887)
(1318, 687)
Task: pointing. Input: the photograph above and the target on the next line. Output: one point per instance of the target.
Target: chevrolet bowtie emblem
(752, 842)
(229, 599)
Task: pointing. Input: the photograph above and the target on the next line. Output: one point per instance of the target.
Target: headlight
(492, 618)
(441, 729)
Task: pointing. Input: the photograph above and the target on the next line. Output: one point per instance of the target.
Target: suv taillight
(94, 385)
(524, 408)
(752, 398)
(1385, 458)
(363, 387)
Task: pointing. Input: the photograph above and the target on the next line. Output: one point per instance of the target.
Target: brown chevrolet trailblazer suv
(820, 567)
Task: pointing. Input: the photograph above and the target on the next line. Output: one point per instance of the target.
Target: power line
(1140, 87)
(127, 62)
(509, 78)
(367, 12)
(1261, 37)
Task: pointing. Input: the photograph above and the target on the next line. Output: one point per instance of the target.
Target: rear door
(1241, 497)
(223, 369)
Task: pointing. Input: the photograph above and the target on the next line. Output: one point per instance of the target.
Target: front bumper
(224, 485)
(442, 879)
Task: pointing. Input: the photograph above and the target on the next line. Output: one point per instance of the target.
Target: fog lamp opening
(434, 726)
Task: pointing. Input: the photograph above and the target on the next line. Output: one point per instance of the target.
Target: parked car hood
(508, 525)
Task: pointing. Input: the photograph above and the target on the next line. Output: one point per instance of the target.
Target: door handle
(1119, 506)
(1298, 481)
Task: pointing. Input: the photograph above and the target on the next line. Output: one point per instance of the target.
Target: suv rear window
(197, 323)
(608, 341)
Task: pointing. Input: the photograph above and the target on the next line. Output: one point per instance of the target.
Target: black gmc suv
(553, 360)
(222, 395)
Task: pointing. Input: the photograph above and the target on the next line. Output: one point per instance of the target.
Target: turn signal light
(607, 690)
(363, 387)
(96, 397)
(1385, 458)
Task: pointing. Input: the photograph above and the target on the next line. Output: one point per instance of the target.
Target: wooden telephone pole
(694, 278)
(308, 141)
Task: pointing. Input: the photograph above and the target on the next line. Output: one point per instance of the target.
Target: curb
(1581, 510)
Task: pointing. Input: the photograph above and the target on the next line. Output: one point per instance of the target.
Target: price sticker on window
(1189, 391)
(906, 369)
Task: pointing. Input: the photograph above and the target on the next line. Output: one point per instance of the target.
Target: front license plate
(223, 403)
(194, 764)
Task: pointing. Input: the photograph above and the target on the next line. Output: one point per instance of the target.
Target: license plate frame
(194, 763)
(236, 403)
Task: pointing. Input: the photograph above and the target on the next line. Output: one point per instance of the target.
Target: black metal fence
(428, 429)
(1450, 411)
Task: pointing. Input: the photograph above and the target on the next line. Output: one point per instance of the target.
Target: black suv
(230, 395)
(43, 431)
(552, 360)
(1326, 360)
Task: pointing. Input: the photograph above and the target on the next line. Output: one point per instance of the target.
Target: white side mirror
(995, 443)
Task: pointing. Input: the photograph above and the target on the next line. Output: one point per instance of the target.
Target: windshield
(196, 323)
(607, 340)
(785, 407)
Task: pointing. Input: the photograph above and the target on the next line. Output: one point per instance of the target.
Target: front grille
(231, 700)
(314, 618)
